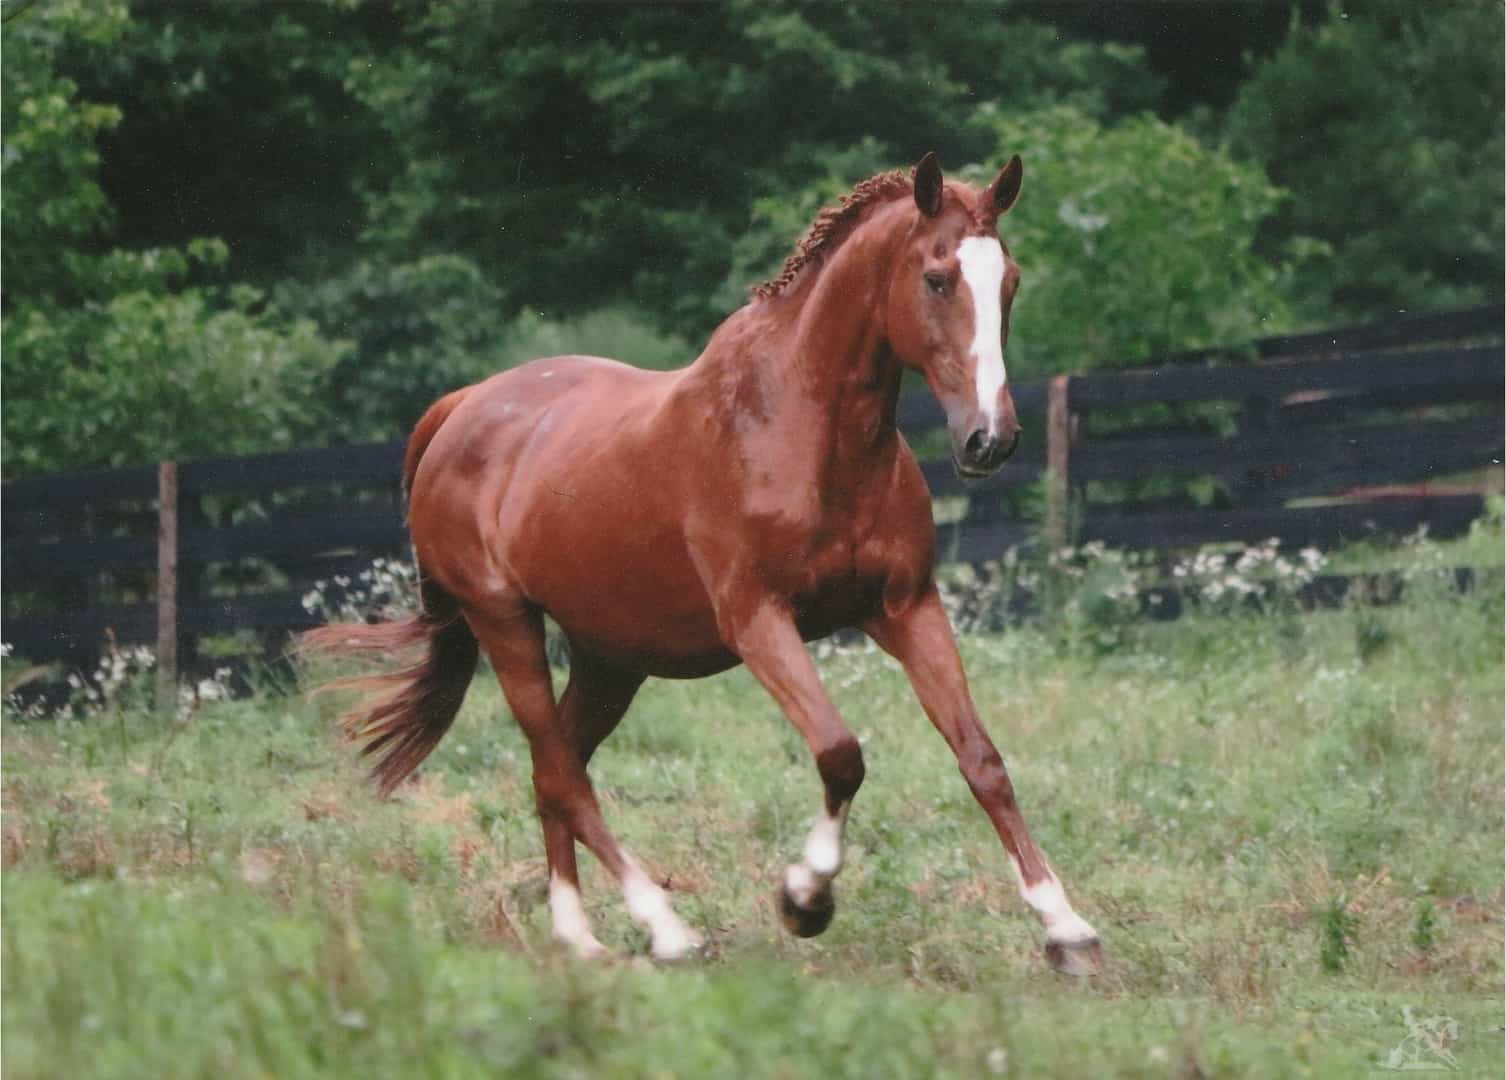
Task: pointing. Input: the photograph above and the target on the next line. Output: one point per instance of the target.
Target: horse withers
(676, 524)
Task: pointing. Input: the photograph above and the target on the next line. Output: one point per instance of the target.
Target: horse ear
(1006, 187)
(928, 185)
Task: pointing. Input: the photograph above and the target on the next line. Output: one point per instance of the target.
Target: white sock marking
(569, 917)
(823, 847)
(649, 905)
(821, 860)
(982, 259)
(1049, 902)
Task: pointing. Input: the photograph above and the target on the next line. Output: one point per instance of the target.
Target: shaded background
(235, 227)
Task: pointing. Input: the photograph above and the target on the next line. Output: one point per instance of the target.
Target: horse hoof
(1076, 958)
(673, 948)
(806, 921)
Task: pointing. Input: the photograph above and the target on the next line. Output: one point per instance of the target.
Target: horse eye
(936, 283)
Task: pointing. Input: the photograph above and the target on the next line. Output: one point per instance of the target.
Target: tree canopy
(236, 227)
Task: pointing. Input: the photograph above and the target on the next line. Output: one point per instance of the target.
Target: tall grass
(1285, 833)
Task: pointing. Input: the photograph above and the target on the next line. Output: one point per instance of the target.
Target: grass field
(1288, 830)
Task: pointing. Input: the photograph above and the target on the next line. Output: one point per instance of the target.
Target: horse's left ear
(927, 178)
(1006, 187)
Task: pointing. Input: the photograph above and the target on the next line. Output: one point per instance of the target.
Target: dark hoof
(806, 921)
(1078, 959)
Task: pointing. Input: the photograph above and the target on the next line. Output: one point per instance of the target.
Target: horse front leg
(768, 643)
(921, 639)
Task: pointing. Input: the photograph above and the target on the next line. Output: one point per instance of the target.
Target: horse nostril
(980, 445)
(1010, 448)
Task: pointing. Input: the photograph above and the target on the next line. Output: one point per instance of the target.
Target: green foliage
(1337, 926)
(1425, 927)
(615, 155)
(53, 201)
(455, 187)
(1385, 122)
(420, 330)
(147, 375)
(1133, 239)
(113, 356)
(616, 332)
(423, 328)
(236, 122)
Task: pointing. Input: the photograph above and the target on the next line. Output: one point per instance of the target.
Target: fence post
(1058, 459)
(167, 586)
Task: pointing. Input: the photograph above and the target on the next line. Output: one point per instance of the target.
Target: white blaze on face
(982, 259)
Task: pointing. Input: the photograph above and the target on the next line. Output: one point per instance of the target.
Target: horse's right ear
(928, 185)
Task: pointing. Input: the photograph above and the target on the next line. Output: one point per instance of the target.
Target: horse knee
(841, 768)
(988, 778)
(553, 798)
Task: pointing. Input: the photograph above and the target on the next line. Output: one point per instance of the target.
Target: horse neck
(833, 368)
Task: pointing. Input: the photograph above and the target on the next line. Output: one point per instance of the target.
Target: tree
(1134, 239)
(236, 122)
(115, 357)
(583, 155)
(1385, 122)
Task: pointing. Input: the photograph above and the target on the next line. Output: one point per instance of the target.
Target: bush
(1384, 120)
(1134, 240)
(148, 375)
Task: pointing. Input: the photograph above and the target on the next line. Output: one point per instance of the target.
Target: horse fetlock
(584, 948)
(649, 905)
(675, 942)
(568, 914)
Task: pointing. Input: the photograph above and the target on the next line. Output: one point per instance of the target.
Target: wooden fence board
(77, 556)
(1429, 327)
(1394, 451)
(1474, 366)
(375, 464)
(1320, 526)
(114, 485)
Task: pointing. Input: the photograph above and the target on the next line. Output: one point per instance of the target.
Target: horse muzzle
(982, 453)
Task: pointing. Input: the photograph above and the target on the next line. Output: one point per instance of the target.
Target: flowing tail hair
(412, 708)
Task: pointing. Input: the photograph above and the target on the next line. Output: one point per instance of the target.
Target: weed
(1337, 926)
(1425, 927)
(1371, 635)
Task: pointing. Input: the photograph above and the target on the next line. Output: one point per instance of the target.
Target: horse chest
(834, 573)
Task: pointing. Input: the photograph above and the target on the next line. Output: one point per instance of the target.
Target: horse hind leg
(595, 700)
(566, 801)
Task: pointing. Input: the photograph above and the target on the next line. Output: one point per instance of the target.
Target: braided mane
(832, 225)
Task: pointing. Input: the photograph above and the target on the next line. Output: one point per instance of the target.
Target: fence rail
(1315, 438)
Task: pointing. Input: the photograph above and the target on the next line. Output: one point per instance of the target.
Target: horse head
(948, 310)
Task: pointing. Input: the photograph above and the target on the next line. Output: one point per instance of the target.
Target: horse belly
(611, 567)
(646, 618)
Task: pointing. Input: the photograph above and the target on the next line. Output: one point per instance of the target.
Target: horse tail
(409, 710)
(413, 707)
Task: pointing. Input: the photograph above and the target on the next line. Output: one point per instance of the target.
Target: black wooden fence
(1317, 439)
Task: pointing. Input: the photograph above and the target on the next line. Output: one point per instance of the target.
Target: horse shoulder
(902, 549)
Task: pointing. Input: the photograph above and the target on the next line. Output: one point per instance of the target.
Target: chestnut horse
(678, 523)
